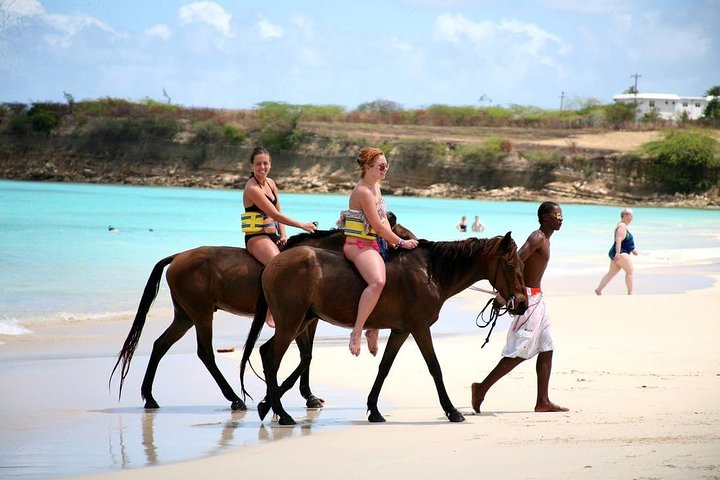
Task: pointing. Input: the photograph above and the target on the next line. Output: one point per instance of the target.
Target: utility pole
(562, 97)
(635, 92)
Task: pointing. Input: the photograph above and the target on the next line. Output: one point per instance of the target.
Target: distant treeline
(24, 118)
(687, 160)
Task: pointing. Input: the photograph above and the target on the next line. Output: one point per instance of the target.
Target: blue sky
(235, 54)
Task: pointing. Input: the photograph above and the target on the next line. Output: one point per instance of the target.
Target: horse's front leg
(395, 341)
(423, 338)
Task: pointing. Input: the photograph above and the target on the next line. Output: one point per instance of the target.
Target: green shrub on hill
(129, 129)
(492, 149)
(278, 126)
(213, 131)
(683, 162)
(619, 114)
(41, 118)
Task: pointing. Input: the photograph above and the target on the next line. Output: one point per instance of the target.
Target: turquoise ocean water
(61, 263)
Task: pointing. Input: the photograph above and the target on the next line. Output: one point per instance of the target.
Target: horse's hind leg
(311, 400)
(271, 353)
(179, 326)
(395, 341)
(203, 329)
(304, 343)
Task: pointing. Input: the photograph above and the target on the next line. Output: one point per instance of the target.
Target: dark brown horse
(418, 283)
(206, 279)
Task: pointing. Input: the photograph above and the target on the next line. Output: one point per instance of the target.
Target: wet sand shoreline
(639, 374)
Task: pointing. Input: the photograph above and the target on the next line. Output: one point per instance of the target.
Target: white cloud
(209, 13)
(304, 25)
(595, 7)
(398, 44)
(453, 28)
(21, 8)
(666, 43)
(268, 30)
(70, 26)
(433, 3)
(485, 36)
(160, 31)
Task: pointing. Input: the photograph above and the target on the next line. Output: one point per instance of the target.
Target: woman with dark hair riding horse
(263, 222)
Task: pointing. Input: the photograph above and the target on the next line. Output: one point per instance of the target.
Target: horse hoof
(456, 416)
(286, 420)
(238, 405)
(314, 402)
(151, 404)
(376, 417)
(263, 409)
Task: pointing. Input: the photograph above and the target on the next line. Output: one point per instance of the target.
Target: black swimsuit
(254, 208)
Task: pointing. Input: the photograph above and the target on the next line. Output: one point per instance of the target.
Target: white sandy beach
(640, 374)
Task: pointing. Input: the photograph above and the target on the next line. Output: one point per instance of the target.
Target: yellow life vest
(255, 222)
(355, 227)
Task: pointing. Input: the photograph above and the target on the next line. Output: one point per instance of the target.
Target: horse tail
(261, 308)
(133, 338)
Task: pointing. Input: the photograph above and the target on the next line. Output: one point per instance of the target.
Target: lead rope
(495, 312)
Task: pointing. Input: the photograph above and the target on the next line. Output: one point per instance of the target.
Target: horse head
(506, 275)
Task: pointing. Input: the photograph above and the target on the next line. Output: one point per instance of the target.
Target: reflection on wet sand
(162, 434)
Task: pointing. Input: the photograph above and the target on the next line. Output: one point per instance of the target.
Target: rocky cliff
(325, 163)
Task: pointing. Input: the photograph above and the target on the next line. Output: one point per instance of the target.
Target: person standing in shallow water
(462, 225)
(619, 253)
(263, 222)
(477, 225)
(529, 334)
(367, 233)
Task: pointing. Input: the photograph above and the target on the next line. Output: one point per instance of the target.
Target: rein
(495, 312)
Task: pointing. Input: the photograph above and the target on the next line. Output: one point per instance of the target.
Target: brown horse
(419, 281)
(206, 279)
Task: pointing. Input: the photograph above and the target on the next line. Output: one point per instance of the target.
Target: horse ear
(506, 241)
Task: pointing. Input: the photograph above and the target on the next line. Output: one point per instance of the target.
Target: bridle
(495, 312)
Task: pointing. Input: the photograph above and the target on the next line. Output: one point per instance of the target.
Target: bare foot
(372, 340)
(598, 292)
(269, 320)
(477, 396)
(550, 407)
(355, 343)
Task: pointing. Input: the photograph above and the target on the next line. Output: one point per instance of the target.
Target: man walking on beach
(530, 334)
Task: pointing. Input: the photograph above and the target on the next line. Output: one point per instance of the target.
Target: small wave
(71, 317)
(10, 326)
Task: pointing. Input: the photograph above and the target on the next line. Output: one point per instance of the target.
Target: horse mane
(303, 237)
(446, 257)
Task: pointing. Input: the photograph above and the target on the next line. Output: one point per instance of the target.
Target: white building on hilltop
(667, 105)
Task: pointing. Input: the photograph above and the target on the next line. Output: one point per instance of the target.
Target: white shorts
(529, 333)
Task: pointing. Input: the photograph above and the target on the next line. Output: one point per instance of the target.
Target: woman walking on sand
(620, 252)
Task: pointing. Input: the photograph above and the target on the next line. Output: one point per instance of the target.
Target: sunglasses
(558, 216)
(383, 166)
